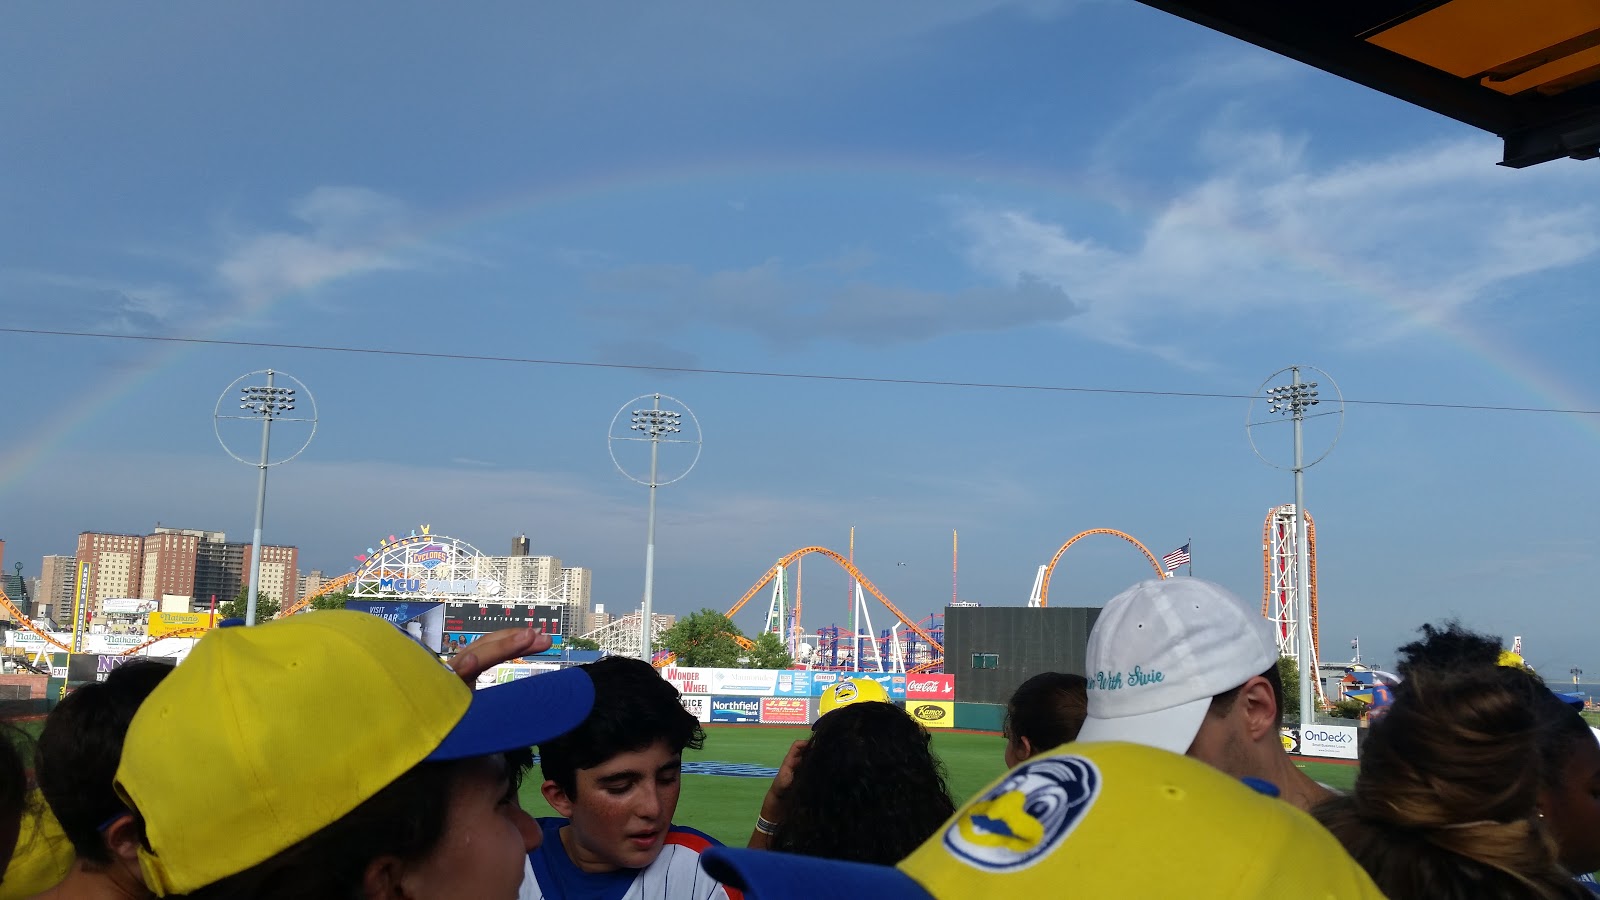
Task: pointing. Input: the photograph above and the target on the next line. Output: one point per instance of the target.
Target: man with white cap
(1184, 665)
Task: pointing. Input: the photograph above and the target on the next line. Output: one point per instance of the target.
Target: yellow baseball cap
(43, 855)
(1089, 820)
(851, 690)
(270, 733)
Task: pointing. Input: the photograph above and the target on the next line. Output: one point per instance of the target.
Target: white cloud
(1370, 246)
(348, 231)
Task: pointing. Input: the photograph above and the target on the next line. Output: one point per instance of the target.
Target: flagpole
(1189, 543)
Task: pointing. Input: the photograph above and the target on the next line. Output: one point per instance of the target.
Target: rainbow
(942, 176)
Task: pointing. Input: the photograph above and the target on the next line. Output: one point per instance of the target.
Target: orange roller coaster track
(25, 622)
(328, 587)
(1044, 586)
(855, 573)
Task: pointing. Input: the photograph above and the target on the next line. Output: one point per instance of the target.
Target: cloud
(787, 307)
(346, 231)
(1368, 248)
(113, 305)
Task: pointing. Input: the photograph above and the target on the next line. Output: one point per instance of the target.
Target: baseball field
(725, 805)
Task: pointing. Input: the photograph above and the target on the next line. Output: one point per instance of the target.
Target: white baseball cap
(1158, 654)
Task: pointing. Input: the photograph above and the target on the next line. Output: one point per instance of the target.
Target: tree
(1289, 673)
(1348, 709)
(266, 606)
(769, 653)
(582, 643)
(331, 600)
(704, 638)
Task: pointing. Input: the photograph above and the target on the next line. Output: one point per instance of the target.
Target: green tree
(266, 606)
(1289, 673)
(331, 600)
(769, 653)
(582, 643)
(704, 638)
(1348, 709)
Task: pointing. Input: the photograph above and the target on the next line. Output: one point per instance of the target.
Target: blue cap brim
(1573, 700)
(770, 875)
(519, 714)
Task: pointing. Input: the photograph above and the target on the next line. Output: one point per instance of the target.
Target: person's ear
(1025, 747)
(1260, 709)
(122, 839)
(557, 798)
(382, 879)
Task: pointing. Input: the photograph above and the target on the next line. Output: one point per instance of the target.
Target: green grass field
(726, 808)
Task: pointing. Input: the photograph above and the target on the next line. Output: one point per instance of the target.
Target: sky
(1042, 194)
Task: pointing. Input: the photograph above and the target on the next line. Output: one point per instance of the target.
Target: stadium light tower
(269, 403)
(657, 426)
(1293, 400)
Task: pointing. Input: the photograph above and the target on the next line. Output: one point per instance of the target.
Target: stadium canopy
(1526, 70)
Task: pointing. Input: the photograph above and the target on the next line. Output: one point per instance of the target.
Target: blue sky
(1042, 193)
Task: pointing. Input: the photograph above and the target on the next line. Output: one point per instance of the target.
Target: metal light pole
(1576, 672)
(268, 403)
(656, 425)
(1294, 400)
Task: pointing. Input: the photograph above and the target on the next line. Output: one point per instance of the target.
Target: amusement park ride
(909, 645)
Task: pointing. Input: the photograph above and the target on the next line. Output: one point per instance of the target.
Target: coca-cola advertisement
(930, 687)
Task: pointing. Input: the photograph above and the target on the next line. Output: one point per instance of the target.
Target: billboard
(698, 704)
(743, 682)
(423, 621)
(482, 618)
(735, 709)
(165, 623)
(1291, 739)
(785, 710)
(126, 606)
(794, 684)
(930, 687)
(821, 681)
(86, 667)
(933, 713)
(894, 684)
(1332, 741)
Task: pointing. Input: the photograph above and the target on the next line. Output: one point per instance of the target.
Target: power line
(751, 373)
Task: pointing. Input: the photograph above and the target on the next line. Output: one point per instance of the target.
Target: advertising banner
(743, 682)
(930, 687)
(735, 709)
(1291, 739)
(785, 710)
(794, 684)
(697, 704)
(893, 684)
(126, 606)
(1331, 741)
(687, 681)
(933, 713)
(821, 681)
(164, 623)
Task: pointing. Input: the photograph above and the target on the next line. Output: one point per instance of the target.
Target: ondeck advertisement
(785, 711)
(1332, 741)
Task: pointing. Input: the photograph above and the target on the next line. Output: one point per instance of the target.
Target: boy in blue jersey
(615, 781)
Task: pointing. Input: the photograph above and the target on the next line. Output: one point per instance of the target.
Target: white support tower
(621, 636)
(1036, 597)
(864, 615)
(1283, 577)
(778, 611)
(897, 650)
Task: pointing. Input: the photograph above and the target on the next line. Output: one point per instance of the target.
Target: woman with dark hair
(1568, 755)
(1446, 806)
(13, 791)
(1045, 712)
(866, 787)
(328, 756)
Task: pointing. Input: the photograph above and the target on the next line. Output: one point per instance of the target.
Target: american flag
(1178, 557)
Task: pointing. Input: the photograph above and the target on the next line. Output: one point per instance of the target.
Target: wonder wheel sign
(429, 567)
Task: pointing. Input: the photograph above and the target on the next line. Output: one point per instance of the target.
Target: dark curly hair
(868, 788)
(633, 708)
